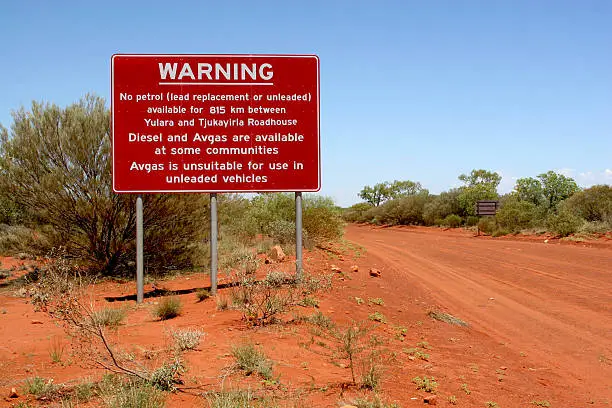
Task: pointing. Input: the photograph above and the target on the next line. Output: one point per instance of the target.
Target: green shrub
(168, 308)
(516, 215)
(471, 221)
(357, 212)
(595, 227)
(500, 232)
(488, 225)
(441, 206)
(187, 339)
(109, 317)
(593, 204)
(55, 163)
(40, 387)
(452, 221)
(133, 394)
(426, 384)
(252, 360)
(282, 232)
(202, 294)
(321, 219)
(403, 211)
(564, 222)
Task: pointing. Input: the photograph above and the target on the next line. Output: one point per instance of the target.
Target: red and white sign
(215, 123)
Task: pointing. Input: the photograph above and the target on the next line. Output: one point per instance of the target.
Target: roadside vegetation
(550, 202)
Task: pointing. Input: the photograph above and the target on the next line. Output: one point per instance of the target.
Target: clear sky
(418, 90)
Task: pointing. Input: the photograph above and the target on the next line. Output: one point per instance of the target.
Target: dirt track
(552, 300)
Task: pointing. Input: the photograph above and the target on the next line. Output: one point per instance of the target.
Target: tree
(481, 178)
(556, 188)
(55, 163)
(375, 195)
(548, 190)
(479, 185)
(404, 188)
(530, 190)
(385, 191)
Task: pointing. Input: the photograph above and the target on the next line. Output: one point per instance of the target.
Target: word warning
(215, 123)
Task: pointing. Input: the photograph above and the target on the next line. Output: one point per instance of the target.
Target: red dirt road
(549, 302)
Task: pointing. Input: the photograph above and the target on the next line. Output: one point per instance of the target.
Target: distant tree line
(548, 202)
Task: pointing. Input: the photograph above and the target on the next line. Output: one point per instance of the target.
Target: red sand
(540, 326)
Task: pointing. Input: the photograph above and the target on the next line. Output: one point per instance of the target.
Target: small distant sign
(487, 207)
(215, 123)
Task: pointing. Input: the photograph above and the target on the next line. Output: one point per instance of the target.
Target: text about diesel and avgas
(215, 124)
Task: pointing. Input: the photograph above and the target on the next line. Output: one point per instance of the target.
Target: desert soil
(539, 324)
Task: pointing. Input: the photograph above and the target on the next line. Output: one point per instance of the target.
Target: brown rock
(431, 400)
(335, 268)
(355, 268)
(348, 406)
(13, 393)
(276, 253)
(36, 322)
(374, 272)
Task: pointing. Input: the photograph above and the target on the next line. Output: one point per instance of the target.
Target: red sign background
(161, 119)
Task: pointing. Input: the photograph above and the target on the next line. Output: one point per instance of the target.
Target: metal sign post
(298, 235)
(213, 243)
(139, 251)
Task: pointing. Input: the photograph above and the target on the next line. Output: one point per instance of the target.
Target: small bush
(541, 403)
(376, 301)
(84, 391)
(564, 222)
(488, 225)
(357, 212)
(41, 388)
(595, 227)
(471, 221)
(231, 399)
(320, 320)
(133, 394)
(500, 232)
(452, 221)
(167, 376)
(168, 308)
(371, 376)
(252, 360)
(377, 317)
(376, 402)
(426, 384)
(187, 339)
(452, 400)
(109, 317)
(202, 294)
(222, 303)
(516, 215)
(282, 232)
(592, 204)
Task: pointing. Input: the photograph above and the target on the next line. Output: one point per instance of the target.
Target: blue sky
(418, 90)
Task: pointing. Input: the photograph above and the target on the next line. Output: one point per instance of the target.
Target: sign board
(215, 123)
(487, 207)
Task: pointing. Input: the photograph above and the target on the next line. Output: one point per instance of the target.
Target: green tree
(375, 195)
(530, 189)
(556, 188)
(479, 185)
(55, 163)
(385, 191)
